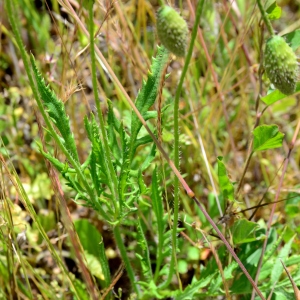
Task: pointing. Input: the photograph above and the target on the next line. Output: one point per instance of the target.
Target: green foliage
(267, 137)
(117, 181)
(293, 39)
(147, 96)
(278, 268)
(56, 111)
(92, 243)
(274, 11)
(243, 231)
(276, 95)
(158, 210)
(224, 182)
(144, 252)
(281, 65)
(193, 288)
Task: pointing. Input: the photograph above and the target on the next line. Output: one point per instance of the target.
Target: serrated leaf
(217, 282)
(278, 268)
(111, 134)
(193, 288)
(267, 137)
(148, 94)
(144, 248)
(151, 290)
(56, 111)
(142, 186)
(97, 156)
(158, 208)
(274, 246)
(274, 11)
(125, 166)
(243, 231)
(224, 182)
(149, 158)
(276, 95)
(142, 141)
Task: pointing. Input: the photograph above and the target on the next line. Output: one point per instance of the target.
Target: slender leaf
(111, 134)
(274, 246)
(193, 288)
(56, 111)
(144, 248)
(278, 268)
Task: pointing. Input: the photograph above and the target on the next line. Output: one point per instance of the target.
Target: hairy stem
(265, 17)
(176, 140)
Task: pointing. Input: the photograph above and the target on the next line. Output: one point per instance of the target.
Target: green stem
(265, 17)
(123, 253)
(176, 142)
(112, 178)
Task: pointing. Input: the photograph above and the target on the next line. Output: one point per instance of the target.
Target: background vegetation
(109, 234)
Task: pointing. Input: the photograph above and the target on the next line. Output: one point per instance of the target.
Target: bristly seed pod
(281, 65)
(172, 30)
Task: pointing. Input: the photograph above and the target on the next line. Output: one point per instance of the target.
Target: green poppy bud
(281, 64)
(172, 30)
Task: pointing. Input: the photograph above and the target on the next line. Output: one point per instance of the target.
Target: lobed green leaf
(267, 137)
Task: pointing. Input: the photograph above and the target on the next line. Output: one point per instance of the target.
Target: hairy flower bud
(281, 64)
(172, 30)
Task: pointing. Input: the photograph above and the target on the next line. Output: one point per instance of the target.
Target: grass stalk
(176, 141)
(265, 17)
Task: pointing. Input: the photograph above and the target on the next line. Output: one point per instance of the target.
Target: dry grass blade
(295, 288)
